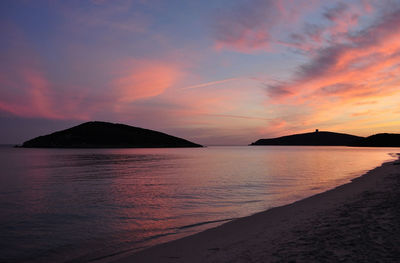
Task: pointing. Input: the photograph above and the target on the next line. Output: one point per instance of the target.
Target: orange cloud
(350, 85)
(365, 69)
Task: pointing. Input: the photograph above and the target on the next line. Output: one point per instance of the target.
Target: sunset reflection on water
(89, 203)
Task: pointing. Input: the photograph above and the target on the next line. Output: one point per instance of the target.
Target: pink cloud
(144, 79)
(30, 90)
(25, 88)
(31, 94)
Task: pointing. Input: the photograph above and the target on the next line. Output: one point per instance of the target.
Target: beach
(355, 222)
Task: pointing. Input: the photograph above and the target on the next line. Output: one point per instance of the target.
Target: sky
(224, 72)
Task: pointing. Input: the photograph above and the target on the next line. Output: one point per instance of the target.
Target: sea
(93, 205)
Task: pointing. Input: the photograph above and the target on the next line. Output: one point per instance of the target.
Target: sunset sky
(215, 72)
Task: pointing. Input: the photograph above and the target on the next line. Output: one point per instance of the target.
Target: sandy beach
(355, 222)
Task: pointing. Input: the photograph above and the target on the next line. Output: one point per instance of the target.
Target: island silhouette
(97, 134)
(325, 138)
(379, 140)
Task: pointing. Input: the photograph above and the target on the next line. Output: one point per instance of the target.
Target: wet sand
(355, 222)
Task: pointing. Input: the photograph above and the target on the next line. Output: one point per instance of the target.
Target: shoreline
(329, 226)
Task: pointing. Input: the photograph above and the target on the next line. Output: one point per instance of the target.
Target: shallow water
(60, 205)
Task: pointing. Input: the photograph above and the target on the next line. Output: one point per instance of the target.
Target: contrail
(207, 84)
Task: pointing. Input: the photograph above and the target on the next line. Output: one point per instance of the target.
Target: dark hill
(380, 140)
(312, 138)
(107, 135)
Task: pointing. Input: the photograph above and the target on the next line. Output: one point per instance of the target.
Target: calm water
(60, 205)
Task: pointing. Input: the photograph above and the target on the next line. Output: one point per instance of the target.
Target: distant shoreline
(326, 138)
(350, 222)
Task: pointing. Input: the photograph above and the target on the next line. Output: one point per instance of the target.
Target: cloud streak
(364, 66)
(210, 84)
